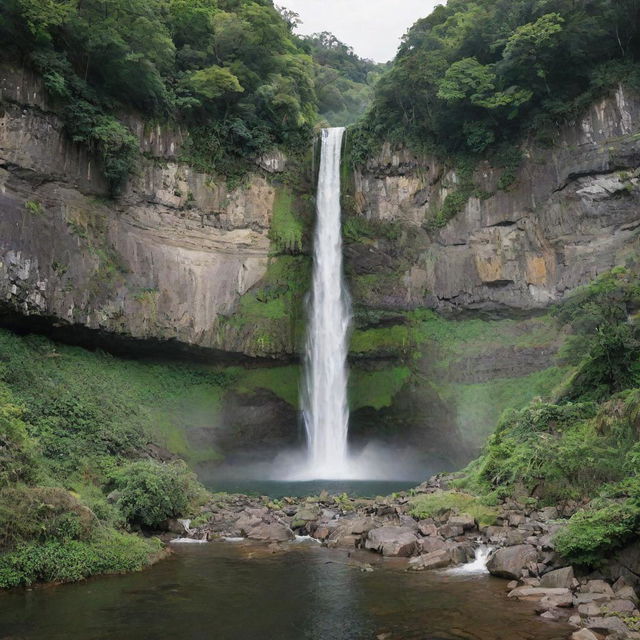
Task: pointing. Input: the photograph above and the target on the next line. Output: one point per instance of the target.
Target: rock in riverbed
(510, 562)
(392, 541)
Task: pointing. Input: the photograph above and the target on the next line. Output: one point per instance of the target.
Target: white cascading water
(326, 411)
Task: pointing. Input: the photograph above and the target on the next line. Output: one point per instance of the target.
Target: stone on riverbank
(511, 561)
(392, 541)
(435, 560)
(558, 578)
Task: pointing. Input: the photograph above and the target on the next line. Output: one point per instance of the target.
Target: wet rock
(563, 601)
(392, 541)
(537, 593)
(342, 541)
(558, 578)
(272, 532)
(435, 560)
(511, 561)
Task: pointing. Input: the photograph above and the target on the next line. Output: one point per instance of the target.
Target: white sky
(372, 27)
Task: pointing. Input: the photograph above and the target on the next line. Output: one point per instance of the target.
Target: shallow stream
(225, 591)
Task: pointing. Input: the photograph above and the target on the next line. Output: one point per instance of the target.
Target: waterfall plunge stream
(326, 410)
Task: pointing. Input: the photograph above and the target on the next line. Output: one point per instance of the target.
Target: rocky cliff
(570, 211)
(180, 257)
(167, 259)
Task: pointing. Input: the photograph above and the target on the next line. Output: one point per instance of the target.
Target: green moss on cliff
(287, 229)
(281, 381)
(397, 340)
(376, 389)
(269, 319)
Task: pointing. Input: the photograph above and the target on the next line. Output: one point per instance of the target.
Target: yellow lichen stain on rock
(489, 268)
(537, 270)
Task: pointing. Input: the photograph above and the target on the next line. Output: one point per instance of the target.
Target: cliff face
(571, 212)
(180, 256)
(167, 259)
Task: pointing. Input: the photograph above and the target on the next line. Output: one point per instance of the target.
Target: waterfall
(324, 398)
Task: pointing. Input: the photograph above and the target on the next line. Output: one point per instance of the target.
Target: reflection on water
(236, 592)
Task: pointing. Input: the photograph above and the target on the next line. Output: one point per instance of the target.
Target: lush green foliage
(230, 70)
(474, 75)
(595, 532)
(436, 504)
(343, 81)
(605, 331)
(70, 560)
(150, 493)
(81, 420)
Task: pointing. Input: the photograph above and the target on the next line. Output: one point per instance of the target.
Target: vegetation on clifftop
(473, 77)
(231, 71)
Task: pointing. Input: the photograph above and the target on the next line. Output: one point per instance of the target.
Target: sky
(372, 27)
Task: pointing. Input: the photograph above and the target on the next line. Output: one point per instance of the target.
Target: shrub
(151, 492)
(56, 561)
(42, 514)
(17, 450)
(593, 533)
(435, 504)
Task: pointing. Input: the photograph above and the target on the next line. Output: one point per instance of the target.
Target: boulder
(563, 601)
(514, 537)
(392, 541)
(358, 526)
(585, 598)
(558, 578)
(510, 561)
(450, 531)
(339, 540)
(626, 592)
(427, 528)
(584, 634)
(626, 607)
(589, 610)
(270, 532)
(607, 625)
(537, 593)
(307, 513)
(431, 544)
(463, 520)
(597, 586)
(435, 560)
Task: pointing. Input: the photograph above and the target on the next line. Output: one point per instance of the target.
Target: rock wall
(572, 212)
(167, 259)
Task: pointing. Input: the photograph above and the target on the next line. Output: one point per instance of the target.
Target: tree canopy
(231, 70)
(478, 73)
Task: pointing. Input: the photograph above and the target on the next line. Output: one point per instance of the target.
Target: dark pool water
(236, 592)
(296, 489)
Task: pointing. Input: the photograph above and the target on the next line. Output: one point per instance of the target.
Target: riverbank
(432, 528)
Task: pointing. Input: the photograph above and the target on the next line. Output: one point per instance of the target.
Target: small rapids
(477, 566)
